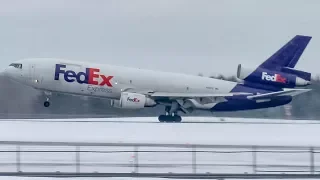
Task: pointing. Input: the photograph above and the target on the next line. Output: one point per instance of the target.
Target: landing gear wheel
(46, 104)
(177, 118)
(162, 118)
(169, 118)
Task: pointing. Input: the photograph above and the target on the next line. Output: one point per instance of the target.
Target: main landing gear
(170, 116)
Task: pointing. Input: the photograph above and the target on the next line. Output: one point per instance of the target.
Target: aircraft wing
(195, 95)
(285, 92)
(207, 98)
(170, 95)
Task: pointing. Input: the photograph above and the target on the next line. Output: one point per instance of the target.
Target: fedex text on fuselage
(90, 76)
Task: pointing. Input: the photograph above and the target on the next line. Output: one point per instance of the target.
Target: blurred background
(19, 101)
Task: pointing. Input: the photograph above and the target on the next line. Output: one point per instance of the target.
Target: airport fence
(132, 159)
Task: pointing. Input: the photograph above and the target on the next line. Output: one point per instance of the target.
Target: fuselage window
(16, 65)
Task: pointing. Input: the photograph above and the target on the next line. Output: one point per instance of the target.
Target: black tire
(169, 119)
(46, 104)
(177, 118)
(162, 118)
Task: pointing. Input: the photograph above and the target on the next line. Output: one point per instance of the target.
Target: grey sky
(188, 36)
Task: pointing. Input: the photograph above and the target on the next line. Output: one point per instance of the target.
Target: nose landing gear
(46, 103)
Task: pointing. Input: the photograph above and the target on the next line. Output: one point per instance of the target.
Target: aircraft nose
(8, 72)
(3, 72)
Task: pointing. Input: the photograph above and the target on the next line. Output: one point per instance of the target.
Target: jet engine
(283, 78)
(130, 100)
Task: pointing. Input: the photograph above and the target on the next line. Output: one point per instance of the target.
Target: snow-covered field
(230, 131)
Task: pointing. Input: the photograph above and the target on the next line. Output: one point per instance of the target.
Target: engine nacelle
(130, 100)
(265, 76)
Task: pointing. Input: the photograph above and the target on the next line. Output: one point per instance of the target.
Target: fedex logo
(91, 76)
(133, 99)
(274, 78)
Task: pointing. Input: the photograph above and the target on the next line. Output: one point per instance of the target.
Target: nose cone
(3, 72)
(10, 73)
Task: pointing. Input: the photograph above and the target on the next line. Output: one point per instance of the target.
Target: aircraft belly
(245, 104)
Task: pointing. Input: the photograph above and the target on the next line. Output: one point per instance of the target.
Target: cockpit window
(16, 65)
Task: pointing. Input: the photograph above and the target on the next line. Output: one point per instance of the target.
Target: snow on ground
(122, 159)
(80, 178)
(85, 178)
(149, 130)
(195, 130)
(114, 159)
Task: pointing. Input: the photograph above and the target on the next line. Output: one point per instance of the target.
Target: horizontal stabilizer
(304, 75)
(285, 92)
(196, 95)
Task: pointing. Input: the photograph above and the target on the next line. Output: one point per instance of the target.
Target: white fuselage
(40, 74)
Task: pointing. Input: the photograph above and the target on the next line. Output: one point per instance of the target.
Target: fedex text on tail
(274, 78)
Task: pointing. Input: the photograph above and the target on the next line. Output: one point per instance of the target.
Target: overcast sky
(188, 36)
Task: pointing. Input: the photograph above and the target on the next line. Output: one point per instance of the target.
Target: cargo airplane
(273, 83)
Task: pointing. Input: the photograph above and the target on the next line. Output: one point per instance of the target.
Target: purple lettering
(91, 76)
(68, 75)
(59, 71)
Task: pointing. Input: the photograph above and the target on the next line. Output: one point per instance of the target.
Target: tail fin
(278, 70)
(288, 55)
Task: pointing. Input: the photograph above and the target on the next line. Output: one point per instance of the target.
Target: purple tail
(288, 55)
(278, 70)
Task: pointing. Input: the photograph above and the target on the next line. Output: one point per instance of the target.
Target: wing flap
(285, 92)
(196, 95)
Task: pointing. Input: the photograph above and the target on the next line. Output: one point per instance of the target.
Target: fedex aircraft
(273, 83)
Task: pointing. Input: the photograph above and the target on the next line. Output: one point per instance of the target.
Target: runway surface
(114, 119)
(148, 130)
